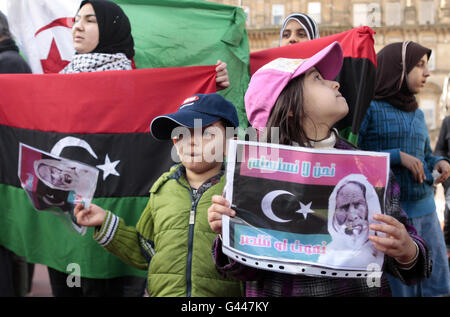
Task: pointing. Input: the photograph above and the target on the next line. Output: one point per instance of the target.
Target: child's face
(417, 77)
(85, 31)
(322, 101)
(293, 33)
(201, 150)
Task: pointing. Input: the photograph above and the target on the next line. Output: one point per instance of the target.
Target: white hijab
(348, 251)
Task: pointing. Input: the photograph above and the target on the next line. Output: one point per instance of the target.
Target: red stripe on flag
(99, 102)
(356, 43)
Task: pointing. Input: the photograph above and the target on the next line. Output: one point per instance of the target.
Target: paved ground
(41, 282)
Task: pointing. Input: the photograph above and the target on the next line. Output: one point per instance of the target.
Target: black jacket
(10, 59)
(443, 145)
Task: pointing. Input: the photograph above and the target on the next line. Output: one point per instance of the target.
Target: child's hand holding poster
(304, 211)
(54, 183)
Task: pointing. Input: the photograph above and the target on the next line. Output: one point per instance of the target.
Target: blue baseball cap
(207, 107)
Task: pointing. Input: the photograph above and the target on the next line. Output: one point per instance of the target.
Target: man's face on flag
(85, 30)
(351, 209)
(63, 179)
(201, 149)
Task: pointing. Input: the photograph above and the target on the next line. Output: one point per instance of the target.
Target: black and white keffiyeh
(97, 62)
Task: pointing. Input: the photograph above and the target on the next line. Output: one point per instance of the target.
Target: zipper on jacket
(190, 248)
(190, 241)
(192, 215)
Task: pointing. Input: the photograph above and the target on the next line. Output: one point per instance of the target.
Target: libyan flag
(101, 119)
(167, 33)
(356, 78)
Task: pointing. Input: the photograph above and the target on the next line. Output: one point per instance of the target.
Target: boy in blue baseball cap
(172, 239)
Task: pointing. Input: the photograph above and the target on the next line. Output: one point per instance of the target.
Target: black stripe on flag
(137, 157)
(285, 207)
(357, 79)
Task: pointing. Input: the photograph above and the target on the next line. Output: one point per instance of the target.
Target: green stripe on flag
(39, 235)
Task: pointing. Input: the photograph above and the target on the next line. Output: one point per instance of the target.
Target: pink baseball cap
(268, 82)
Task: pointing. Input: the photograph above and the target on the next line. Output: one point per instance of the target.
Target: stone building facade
(424, 21)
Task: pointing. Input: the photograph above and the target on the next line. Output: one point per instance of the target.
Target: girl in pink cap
(300, 98)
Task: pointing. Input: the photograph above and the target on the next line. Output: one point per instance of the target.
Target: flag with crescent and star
(282, 196)
(101, 119)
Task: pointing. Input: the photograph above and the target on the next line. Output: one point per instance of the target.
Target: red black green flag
(101, 119)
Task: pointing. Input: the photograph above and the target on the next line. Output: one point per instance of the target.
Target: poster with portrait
(56, 184)
(304, 211)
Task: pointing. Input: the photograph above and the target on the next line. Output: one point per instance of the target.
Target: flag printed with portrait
(304, 211)
(95, 119)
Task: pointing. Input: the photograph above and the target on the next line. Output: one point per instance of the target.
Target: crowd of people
(182, 223)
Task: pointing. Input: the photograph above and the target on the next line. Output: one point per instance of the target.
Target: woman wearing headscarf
(298, 27)
(102, 40)
(395, 124)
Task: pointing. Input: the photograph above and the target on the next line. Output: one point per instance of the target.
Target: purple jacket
(262, 283)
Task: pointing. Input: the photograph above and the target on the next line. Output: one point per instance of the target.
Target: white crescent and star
(305, 210)
(266, 206)
(71, 141)
(108, 168)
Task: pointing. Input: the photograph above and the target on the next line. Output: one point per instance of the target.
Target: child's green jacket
(172, 239)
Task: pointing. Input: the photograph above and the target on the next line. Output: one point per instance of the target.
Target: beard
(354, 234)
(355, 229)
